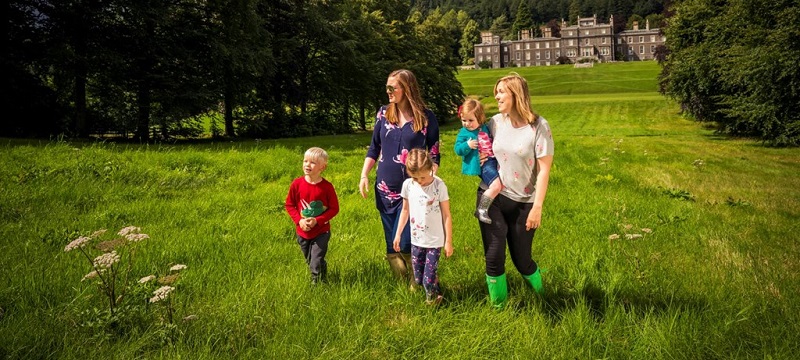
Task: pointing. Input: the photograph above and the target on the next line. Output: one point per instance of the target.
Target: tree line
(271, 68)
(263, 68)
(735, 64)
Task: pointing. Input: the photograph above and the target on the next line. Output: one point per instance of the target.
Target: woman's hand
(483, 157)
(363, 186)
(534, 218)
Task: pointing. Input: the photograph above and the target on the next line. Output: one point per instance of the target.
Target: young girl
(427, 205)
(472, 140)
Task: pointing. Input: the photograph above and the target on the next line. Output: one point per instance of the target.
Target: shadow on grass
(557, 303)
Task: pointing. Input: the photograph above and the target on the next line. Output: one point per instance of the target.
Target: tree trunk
(79, 90)
(143, 103)
(229, 104)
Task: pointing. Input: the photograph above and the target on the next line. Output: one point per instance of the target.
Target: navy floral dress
(389, 147)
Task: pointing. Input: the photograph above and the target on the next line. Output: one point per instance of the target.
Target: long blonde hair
(408, 83)
(518, 87)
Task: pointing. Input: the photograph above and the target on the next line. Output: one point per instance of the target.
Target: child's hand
(473, 143)
(312, 222)
(396, 244)
(448, 249)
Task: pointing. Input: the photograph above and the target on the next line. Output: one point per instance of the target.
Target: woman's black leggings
(508, 225)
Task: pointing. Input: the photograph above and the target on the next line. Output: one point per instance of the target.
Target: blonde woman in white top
(523, 147)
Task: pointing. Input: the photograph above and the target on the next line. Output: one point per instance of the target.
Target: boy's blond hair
(474, 107)
(317, 154)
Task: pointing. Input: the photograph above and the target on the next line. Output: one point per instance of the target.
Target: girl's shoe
(433, 301)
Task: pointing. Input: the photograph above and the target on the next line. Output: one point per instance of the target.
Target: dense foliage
(736, 63)
(272, 68)
(257, 68)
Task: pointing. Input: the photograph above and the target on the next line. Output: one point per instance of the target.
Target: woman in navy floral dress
(402, 125)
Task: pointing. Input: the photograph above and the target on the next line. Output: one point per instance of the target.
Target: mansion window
(527, 55)
(527, 46)
(641, 49)
(652, 49)
(537, 45)
(538, 56)
(652, 38)
(641, 39)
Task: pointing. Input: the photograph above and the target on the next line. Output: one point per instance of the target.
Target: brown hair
(418, 160)
(408, 83)
(518, 87)
(474, 107)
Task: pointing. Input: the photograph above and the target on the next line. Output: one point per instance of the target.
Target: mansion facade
(588, 39)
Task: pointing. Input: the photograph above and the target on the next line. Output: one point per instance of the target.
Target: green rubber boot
(498, 290)
(535, 280)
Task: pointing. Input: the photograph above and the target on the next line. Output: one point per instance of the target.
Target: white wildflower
(129, 230)
(97, 233)
(136, 237)
(106, 260)
(613, 237)
(91, 275)
(146, 279)
(633, 236)
(77, 243)
(177, 267)
(190, 318)
(627, 226)
(647, 230)
(161, 293)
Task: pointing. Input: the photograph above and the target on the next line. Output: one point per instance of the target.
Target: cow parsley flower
(177, 267)
(161, 293)
(77, 243)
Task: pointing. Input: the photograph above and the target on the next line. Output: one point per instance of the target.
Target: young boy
(312, 203)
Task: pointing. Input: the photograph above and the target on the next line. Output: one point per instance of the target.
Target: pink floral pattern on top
(387, 192)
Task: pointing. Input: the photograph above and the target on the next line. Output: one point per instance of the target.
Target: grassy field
(661, 240)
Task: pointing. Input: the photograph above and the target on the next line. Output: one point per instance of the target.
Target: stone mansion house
(588, 39)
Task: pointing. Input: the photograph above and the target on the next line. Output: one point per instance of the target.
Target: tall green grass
(716, 276)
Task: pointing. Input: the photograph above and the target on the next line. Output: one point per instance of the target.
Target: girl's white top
(516, 151)
(424, 212)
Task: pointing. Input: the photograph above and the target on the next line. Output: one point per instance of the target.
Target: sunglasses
(390, 88)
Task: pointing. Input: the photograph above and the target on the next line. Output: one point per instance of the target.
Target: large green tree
(736, 63)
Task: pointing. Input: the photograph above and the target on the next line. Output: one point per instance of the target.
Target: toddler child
(426, 205)
(312, 203)
(472, 140)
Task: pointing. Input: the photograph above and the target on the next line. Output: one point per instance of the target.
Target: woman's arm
(432, 139)
(542, 179)
(363, 183)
